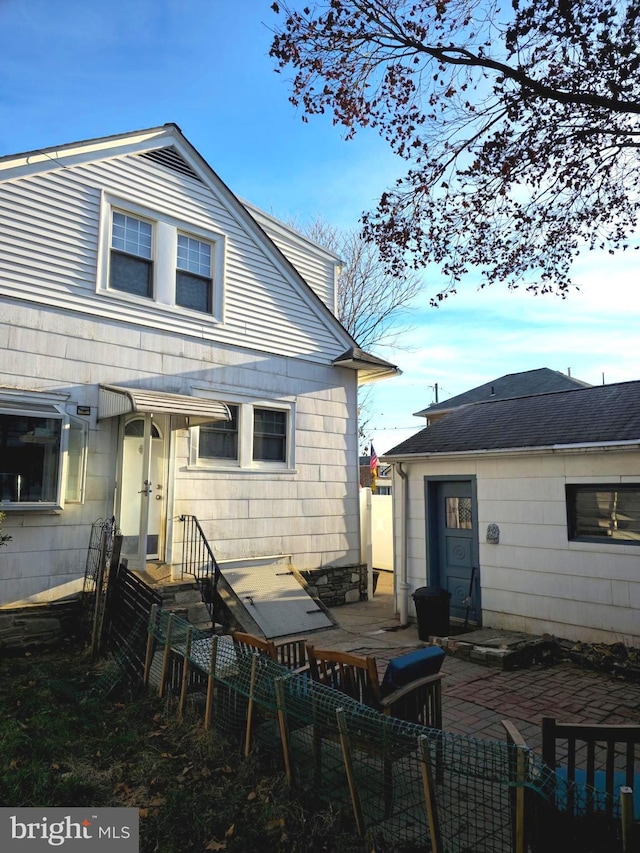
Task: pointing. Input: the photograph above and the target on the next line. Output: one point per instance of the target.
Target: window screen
(193, 277)
(269, 435)
(131, 267)
(603, 512)
(219, 440)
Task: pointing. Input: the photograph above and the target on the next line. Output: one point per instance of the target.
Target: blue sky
(73, 69)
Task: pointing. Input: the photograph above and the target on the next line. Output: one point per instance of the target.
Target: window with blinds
(604, 512)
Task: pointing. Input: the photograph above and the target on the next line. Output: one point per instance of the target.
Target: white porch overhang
(187, 411)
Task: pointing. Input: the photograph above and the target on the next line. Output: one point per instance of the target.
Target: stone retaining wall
(336, 585)
(37, 625)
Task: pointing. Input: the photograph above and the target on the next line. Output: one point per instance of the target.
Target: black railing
(198, 560)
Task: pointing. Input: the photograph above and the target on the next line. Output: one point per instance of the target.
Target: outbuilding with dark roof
(527, 510)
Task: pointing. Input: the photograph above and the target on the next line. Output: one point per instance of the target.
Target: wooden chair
(606, 758)
(518, 767)
(418, 701)
(289, 653)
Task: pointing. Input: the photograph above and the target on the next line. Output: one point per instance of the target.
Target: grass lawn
(193, 789)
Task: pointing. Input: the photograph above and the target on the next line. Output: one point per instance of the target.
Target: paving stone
(477, 697)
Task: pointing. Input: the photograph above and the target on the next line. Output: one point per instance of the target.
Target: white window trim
(264, 463)
(164, 258)
(245, 462)
(26, 403)
(82, 473)
(212, 463)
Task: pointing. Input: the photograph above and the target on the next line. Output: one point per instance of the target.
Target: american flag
(373, 461)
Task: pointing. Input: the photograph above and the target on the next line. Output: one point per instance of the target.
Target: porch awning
(186, 410)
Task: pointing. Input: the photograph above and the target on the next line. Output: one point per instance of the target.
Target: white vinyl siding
(536, 580)
(50, 231)
(317, 266)
(310, 513)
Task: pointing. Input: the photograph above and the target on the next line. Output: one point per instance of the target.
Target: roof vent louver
(171, 159)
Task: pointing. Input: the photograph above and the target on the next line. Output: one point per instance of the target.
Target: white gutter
(631, 444)
(403, 585)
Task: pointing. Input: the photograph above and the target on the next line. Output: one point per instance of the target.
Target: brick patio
(476, 697)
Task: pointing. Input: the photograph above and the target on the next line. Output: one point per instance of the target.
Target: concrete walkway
(477, 697)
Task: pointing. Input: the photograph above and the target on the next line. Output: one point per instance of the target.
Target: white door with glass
(142, 495)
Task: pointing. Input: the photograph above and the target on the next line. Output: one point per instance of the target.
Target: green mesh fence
(474, 783)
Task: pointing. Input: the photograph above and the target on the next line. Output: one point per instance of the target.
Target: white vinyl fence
(376, 524)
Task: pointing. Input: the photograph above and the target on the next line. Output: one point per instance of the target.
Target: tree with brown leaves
(518, 124)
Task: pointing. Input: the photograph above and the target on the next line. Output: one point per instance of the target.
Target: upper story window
(40, 448)
(131, 266)
(193, 276)
(146, 256)
(604, 513)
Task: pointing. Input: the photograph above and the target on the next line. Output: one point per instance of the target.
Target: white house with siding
(166, 349)
(527, 511)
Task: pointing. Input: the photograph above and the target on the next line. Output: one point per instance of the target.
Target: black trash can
(432, 610)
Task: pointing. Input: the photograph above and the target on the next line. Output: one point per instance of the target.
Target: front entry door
(142, 496)
(456, 531)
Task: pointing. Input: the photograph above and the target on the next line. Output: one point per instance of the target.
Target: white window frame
(32, 404)
(150, 260)
(198, 275)
(216, 461)
(245, 461)
(83, 425)
(165, 230)
(287, 438)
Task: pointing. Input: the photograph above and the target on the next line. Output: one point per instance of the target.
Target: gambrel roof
(601, 415)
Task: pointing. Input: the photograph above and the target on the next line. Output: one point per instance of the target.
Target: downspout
(403, 585)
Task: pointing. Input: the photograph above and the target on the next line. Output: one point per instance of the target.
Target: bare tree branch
(519, 126)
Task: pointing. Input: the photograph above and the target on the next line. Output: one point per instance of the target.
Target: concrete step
(506, 650)
(180, 597)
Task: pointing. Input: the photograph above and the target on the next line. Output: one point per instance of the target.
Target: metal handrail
(198, 560)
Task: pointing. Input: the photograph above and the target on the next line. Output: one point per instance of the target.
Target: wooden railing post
(211, 682)
(185, 672)
(429, 793)
(348, 766)
(250, 705)
(282, 722)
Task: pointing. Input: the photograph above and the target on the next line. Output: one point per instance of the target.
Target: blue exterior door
(456, 534)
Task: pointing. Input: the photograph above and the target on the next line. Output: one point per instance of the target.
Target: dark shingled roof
(597, 414)
(525, 384)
